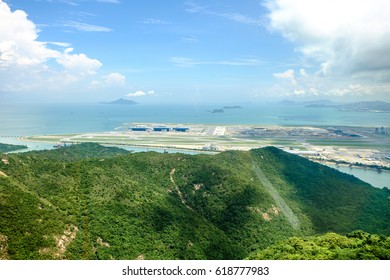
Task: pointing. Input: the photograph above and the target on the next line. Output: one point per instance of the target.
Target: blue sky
(194, 51)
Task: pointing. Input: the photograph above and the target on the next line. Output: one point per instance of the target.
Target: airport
(347, 145)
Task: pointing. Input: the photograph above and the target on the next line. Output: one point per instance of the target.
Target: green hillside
(5, 148)
(94, 202)
(357, 245)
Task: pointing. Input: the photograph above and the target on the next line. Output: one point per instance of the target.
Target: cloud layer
(82, 26)
(195, 8)
(18, 40)
(26, 63)
(348, 35)
(189, 62)
(345, 38)
(139, 93)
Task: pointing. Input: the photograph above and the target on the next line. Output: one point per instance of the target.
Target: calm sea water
(24, 120)
(373, 177)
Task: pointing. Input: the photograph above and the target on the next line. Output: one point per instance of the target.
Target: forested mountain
(357, 245)
(94, 202)
(5, 148)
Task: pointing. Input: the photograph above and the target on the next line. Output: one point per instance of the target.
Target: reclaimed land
(351, 145)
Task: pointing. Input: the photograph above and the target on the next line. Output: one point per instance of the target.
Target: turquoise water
(26, 120)
(22, 120)
(371, 176)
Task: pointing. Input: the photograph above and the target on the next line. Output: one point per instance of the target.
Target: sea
(18, 120)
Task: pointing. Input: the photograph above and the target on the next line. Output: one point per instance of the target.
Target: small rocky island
(232, 107)
(217, 111)
(121, 101)
(222, 110)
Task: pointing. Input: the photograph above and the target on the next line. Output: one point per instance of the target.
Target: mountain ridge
(105, 204)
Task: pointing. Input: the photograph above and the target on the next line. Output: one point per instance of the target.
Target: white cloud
(115, 78)
(289, 75)
(183, 61)
(27, 64)
(343, 35)
(342, 42)
(79, 63)
(60, 44)
(155, 21)
(74, 3)
(109, 1)
(18, 44)
(313, 90)
(355, 90)
(192, 7)
(139, 93)
(82, 26)
(189, 40)
(112, 79)
(189, 62)
(241, 18)
(299, 92)
(303, 72)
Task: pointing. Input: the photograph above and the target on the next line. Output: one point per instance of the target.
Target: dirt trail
(280, 202)
(3, 247)
(171, 174)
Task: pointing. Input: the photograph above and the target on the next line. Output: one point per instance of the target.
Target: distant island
(121, 101)
(375, 106)
(222, 110)
(313, 103)
(367, 106)
(288, 102)
(232, 107)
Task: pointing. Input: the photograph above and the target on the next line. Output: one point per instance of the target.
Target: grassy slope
(333, 201)
(173, 206)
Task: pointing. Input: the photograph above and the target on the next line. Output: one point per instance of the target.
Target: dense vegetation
(5, 148)
(92, 202)
(357, 245)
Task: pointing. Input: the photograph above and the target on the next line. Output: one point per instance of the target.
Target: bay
(371, 176)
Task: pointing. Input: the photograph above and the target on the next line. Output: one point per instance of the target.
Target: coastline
(213, 139)
(198, 150)
(354, 166)
(111, 144)
(348, 145)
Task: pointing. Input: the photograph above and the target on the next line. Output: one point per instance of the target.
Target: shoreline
(200, 151)
(363, 167)
(356, 146)
(109, 144)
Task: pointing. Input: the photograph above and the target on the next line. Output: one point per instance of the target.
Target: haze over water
(24, 120)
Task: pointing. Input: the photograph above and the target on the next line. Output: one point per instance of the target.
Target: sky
(200, 51)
